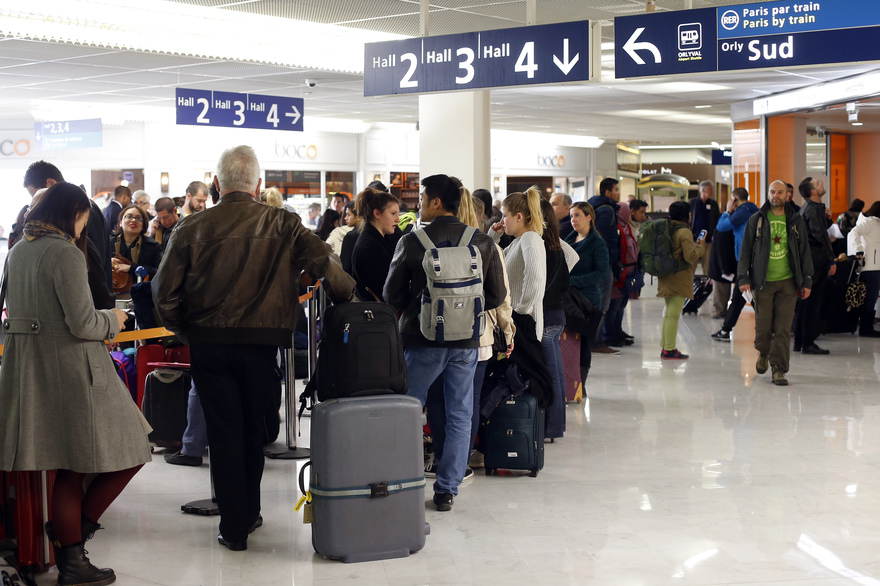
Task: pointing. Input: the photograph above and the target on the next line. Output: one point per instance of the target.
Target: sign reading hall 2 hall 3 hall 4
(551, 53)
(230, 110)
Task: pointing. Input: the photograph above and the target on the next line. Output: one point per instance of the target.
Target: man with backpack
(443, 315)
(775, 267)
(606, 207)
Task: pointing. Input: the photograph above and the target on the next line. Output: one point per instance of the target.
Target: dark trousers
(866, 314)
(234, 383)
(436, 407)
(737, 303)
(807, 314)
(613, 325)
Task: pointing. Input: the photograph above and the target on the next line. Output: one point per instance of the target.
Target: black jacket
(754, 256)
(565, 227)
(149, 257)
(813, 214)
(231, 273)
(348, 243)
(407, 279)
(714, 215)
(557, 280)
(722, 260)
(370, 261)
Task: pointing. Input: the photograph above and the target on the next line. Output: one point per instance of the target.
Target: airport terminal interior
(697, 471)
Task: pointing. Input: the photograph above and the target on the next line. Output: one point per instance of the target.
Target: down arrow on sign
(565, 65)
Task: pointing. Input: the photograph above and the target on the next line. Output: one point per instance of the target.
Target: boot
(74, 568)
(87, 530)
(866, 325)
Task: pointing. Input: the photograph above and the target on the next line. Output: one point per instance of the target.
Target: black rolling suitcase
(166, 395)
(702, 291)
(513, 437)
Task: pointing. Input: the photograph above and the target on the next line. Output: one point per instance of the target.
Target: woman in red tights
(64, 407)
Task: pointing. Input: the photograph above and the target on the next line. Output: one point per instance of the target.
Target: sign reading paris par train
(785, 33)
(541, 54)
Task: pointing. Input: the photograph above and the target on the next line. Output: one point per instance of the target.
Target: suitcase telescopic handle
(302, 477)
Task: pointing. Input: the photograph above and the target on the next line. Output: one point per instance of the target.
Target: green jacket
(754, 256)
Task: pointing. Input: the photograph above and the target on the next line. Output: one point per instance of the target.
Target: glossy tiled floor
(692, 472)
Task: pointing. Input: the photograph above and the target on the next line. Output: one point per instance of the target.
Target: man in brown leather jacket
(229, 283)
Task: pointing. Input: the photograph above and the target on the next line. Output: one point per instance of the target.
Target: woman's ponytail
(536, 216)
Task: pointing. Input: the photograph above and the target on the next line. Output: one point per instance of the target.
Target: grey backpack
(452, 303)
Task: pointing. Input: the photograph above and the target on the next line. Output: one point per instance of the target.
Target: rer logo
(730, 20)
(690, 36)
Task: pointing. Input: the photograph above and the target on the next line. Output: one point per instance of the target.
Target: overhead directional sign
(784, 33)
(550, 53)
(69, 134)
(227, 109)
(664, 43)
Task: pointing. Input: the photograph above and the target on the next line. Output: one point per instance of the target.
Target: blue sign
(550, 53)
(722, 157)
(230, 110)
(664, 43)
(69, 134)
(794, 16)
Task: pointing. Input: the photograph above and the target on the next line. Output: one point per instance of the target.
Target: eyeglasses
(137, 219)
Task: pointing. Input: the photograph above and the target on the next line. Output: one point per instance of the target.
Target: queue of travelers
(533, 260)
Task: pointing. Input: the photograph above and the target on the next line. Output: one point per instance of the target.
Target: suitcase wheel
(533, 473)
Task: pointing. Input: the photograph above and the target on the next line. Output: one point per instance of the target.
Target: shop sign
(551, 161)
(12, 148)
(295, 151)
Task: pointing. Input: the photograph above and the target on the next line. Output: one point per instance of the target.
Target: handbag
(122, 282)
(856, 291)
(579, 312)
(499, 340)
(633, 283)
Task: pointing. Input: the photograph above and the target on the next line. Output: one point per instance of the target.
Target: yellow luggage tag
(308, 511)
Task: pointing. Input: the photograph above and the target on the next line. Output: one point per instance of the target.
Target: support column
(787, 150)
(454, 137)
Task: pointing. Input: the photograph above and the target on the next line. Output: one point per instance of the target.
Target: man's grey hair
(706, 183)
(238, 170)
(566, 199)
(140, 194)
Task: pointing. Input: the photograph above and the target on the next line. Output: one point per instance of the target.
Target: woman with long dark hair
(329, 222)
(371, 257)
(131, 247)
(65, 408)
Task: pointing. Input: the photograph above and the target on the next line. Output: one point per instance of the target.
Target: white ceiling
(44, 78)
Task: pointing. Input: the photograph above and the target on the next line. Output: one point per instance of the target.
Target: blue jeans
(437, 410)
(554, 425)
(613, 326)
(195, 437)
(457, 365)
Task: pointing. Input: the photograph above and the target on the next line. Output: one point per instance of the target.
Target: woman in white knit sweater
(526, 257)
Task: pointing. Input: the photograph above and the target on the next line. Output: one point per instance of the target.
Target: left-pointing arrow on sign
(295, 115)
(632, 46)
(565, 65)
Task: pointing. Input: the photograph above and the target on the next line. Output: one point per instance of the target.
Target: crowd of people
(226, 279)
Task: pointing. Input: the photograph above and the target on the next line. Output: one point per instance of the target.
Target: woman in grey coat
(64, 407)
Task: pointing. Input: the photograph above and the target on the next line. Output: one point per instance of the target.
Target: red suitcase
(570, 346)
(31, 495)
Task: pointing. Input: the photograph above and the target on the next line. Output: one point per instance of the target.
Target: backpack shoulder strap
(467, 235)
(424, 239)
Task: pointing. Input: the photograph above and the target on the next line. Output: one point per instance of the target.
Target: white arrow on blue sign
(231, 110)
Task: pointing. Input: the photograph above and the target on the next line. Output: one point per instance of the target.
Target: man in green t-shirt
(776, 268)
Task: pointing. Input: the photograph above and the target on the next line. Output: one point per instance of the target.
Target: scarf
(35, 229)
(134, 250)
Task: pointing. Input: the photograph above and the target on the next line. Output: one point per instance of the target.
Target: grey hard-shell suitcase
(367, 478)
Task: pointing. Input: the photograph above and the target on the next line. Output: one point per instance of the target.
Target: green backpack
(655, 244)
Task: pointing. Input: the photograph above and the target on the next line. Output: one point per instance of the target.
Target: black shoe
(814, 349)
(628, 337)
(87, 531)
(443, 501)
(869, 334)
(721, 335)
(232, 545)
(181, 459)
(257, 524)
(75, 569)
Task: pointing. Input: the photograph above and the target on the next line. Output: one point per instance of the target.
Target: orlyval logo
(730, 20)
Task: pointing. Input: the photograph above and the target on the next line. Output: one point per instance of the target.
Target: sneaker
(673, 355)
(605, 349)
(779, 378)
(477, 460)
(431, 469)
(628, 337)
(443, 501)
(181, 459)
(468, 474)
(763, 363)
(721, 336)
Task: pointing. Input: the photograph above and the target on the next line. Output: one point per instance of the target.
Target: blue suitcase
(513, 438)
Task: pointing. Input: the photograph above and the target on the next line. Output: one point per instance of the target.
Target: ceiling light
(716, 145)
(703, 106)
(546, 139)
(658, 147)
(673, 87)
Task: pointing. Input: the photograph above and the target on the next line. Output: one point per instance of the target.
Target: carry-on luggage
(513, 437)
(570, 346)
(165, 402)
(26, 508)
(367, 478)
(152, 353)
(702, 291)
(838, 316)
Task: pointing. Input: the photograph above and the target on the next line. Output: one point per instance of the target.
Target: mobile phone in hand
(702, 235)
